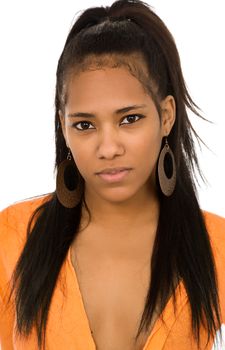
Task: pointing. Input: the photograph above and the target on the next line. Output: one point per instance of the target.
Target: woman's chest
(113, 293)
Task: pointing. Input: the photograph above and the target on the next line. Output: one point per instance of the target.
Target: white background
(32, 36)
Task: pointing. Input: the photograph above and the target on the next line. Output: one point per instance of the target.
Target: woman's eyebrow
(118, 111)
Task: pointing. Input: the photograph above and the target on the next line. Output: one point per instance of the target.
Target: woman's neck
(121, 217)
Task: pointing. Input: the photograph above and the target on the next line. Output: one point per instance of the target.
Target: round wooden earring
(167, 184)
(67, 195)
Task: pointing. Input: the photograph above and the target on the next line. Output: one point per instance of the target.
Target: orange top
(68, 325)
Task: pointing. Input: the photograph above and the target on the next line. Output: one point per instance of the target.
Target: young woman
(120, 256)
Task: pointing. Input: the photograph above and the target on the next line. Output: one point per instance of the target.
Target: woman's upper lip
(112, 170)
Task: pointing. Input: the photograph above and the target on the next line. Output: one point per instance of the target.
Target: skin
(112, 141)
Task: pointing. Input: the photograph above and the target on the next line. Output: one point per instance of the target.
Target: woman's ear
(168, 112)
(62, 122)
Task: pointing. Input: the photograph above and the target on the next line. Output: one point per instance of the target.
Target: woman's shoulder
(16, 216)
(14, 221)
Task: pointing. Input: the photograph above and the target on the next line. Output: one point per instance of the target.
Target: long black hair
(112, 35)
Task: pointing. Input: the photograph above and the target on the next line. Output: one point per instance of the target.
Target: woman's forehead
(133, 63)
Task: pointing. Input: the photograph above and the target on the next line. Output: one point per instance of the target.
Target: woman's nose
(110, 144)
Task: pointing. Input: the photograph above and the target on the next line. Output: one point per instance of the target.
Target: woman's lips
(115, 177)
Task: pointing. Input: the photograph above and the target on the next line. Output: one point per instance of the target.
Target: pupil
(83, 124)
(131, 118)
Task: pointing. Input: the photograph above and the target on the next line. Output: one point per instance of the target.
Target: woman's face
(109, 139)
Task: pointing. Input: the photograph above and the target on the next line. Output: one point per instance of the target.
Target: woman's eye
(131, 118)
(84, 125)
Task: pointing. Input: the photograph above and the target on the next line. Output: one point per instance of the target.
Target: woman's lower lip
(114, 177)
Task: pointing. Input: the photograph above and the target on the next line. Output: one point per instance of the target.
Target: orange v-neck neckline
(168, 313)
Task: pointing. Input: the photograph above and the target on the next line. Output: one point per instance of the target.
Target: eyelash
(85, 121)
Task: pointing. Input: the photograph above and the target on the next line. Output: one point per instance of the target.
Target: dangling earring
(66, 194)
(167, 184)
